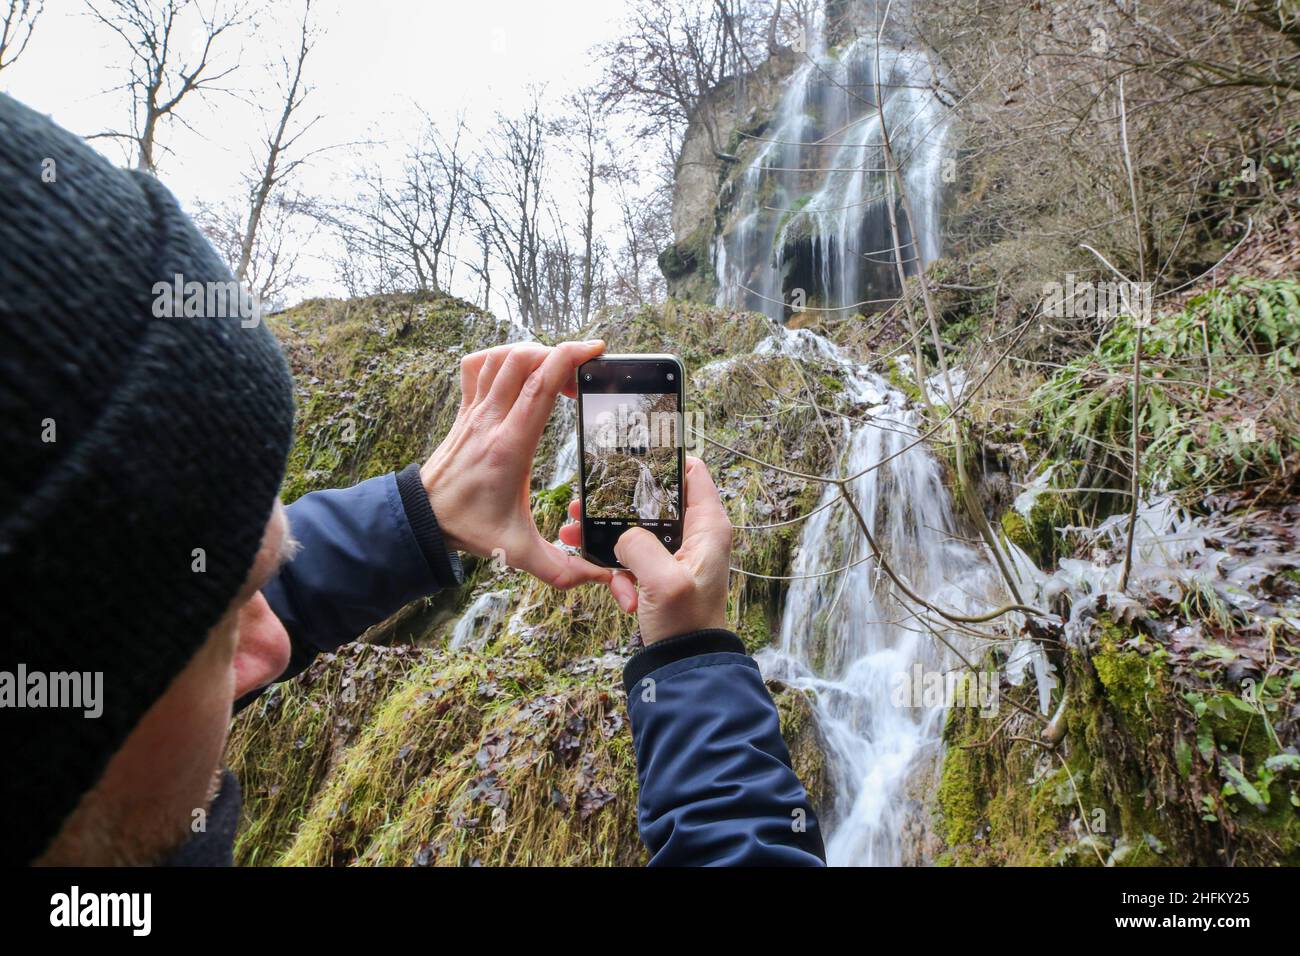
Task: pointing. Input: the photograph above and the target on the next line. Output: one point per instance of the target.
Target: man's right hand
(673, 593)
(478, 478)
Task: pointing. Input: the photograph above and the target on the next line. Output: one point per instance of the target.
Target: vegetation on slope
(1177, 741)
(512, 748)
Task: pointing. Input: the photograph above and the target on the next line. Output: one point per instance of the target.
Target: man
(142, 540)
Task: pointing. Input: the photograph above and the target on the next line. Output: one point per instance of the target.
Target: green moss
(754, 628)
(688, 266)
(1133, 682)
(802, 224)
(1016, 528)
(551, 509)
(960, 796)
(284, 746)
(1036, 533)
(376, 379)
(807, 749)
(1112, 792)
(905, 383)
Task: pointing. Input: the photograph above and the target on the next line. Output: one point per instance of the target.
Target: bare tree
(484, 270)
(671, 56)
(1039, 111)
(161, 75)
(288, 221)
(580, 130)
(16, 28)
(280, 139)
(558, 277)
(398, 232)
(509, 193)
(645, 226)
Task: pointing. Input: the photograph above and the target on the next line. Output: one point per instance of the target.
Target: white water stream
(648, 496)
(849, 638)
(809, 224)
(810, 219)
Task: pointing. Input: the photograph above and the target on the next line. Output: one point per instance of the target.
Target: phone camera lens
(587, 377)
(670, 376)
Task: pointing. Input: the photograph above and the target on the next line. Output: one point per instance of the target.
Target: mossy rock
(376, 380)
(807, 748)
(687, 267)
(1037, 534)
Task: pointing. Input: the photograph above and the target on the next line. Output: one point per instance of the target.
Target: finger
(704, 507)
(549, 564)
(641, 553)
(470, 366)
(521, 362)
(487, 374)
(701, 492)
(571, 534)
(570, 389)
(537, 397)
(575, 509)
(624, 590)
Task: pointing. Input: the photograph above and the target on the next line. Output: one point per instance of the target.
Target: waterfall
(808, 227)
(648, 497)
(566, 457)
(847, 638)
(482, 619)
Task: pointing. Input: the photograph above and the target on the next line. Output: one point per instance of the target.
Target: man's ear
(263, 651)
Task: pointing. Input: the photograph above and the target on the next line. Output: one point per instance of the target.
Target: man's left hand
(478, 478)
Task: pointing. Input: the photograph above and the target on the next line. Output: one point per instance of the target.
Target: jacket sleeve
(716, 786)
(365, 552)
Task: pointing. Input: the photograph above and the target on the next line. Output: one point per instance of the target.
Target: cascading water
(648, 496)
(566, 457)
(809, 218)
(847, 637)
(481, 619)
(809, 224)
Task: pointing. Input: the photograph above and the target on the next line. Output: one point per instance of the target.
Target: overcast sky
(376, 58)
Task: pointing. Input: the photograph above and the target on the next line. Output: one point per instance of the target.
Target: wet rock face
(735, 112)
(738, 109)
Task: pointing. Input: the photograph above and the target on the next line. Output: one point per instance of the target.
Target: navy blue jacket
(716, 786)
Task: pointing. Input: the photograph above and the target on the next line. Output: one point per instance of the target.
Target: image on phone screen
(630, 437)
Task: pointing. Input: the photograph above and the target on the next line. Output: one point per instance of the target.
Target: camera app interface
(630, 444)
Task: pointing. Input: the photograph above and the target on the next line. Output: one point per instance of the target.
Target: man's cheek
(262, 653)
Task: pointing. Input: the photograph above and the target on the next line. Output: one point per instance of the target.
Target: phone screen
(631, 454)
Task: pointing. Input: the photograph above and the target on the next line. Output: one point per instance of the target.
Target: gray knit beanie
(142, 457)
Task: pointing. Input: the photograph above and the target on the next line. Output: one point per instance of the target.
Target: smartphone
(631, 454)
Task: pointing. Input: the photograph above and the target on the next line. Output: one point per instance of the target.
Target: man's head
(138, 513)
(159, 783)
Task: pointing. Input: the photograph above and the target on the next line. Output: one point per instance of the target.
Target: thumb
(548, 563)
(641, 553)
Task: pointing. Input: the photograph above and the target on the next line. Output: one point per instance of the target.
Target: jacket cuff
(712, 640)
(443, 563)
